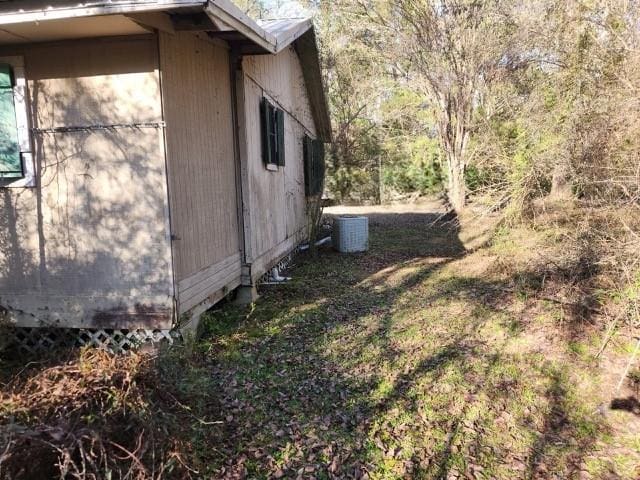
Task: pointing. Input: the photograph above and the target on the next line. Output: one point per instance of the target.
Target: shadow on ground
(390, 364)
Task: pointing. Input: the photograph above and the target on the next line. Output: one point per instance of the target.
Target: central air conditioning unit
(351, 234)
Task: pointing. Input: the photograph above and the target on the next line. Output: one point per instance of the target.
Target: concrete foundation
(246, 295)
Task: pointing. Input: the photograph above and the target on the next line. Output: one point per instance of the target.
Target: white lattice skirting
(282, 264)
(35, 341)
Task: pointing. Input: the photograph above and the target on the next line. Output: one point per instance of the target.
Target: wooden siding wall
(196, 84)
(277, 209)
(90, 247)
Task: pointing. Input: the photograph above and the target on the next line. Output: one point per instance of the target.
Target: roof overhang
(30, 21)
(238, 22)
(286, 31)
(29, 11)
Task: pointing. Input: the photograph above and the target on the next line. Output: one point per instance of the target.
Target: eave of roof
(285, 31)
(42, 10)
(227, 12)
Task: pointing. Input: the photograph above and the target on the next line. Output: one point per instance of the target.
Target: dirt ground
(398, 213)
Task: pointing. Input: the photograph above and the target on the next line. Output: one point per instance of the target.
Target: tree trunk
(380, 187)
(456, 190)
(454, 138)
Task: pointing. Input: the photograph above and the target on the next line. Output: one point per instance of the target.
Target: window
(313, 166)
(16, 163)
(272, 126)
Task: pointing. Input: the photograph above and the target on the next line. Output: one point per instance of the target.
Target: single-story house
(155, 155)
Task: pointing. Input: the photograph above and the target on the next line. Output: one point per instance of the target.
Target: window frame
(274, 138)
(313, 152)
(21, 104)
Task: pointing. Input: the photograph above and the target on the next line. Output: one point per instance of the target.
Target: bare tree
(447, 49)
(455, 46)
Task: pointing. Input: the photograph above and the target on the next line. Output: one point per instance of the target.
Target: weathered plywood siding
(277, 211)
(196, 84)
(281, 77)
(90, 246)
